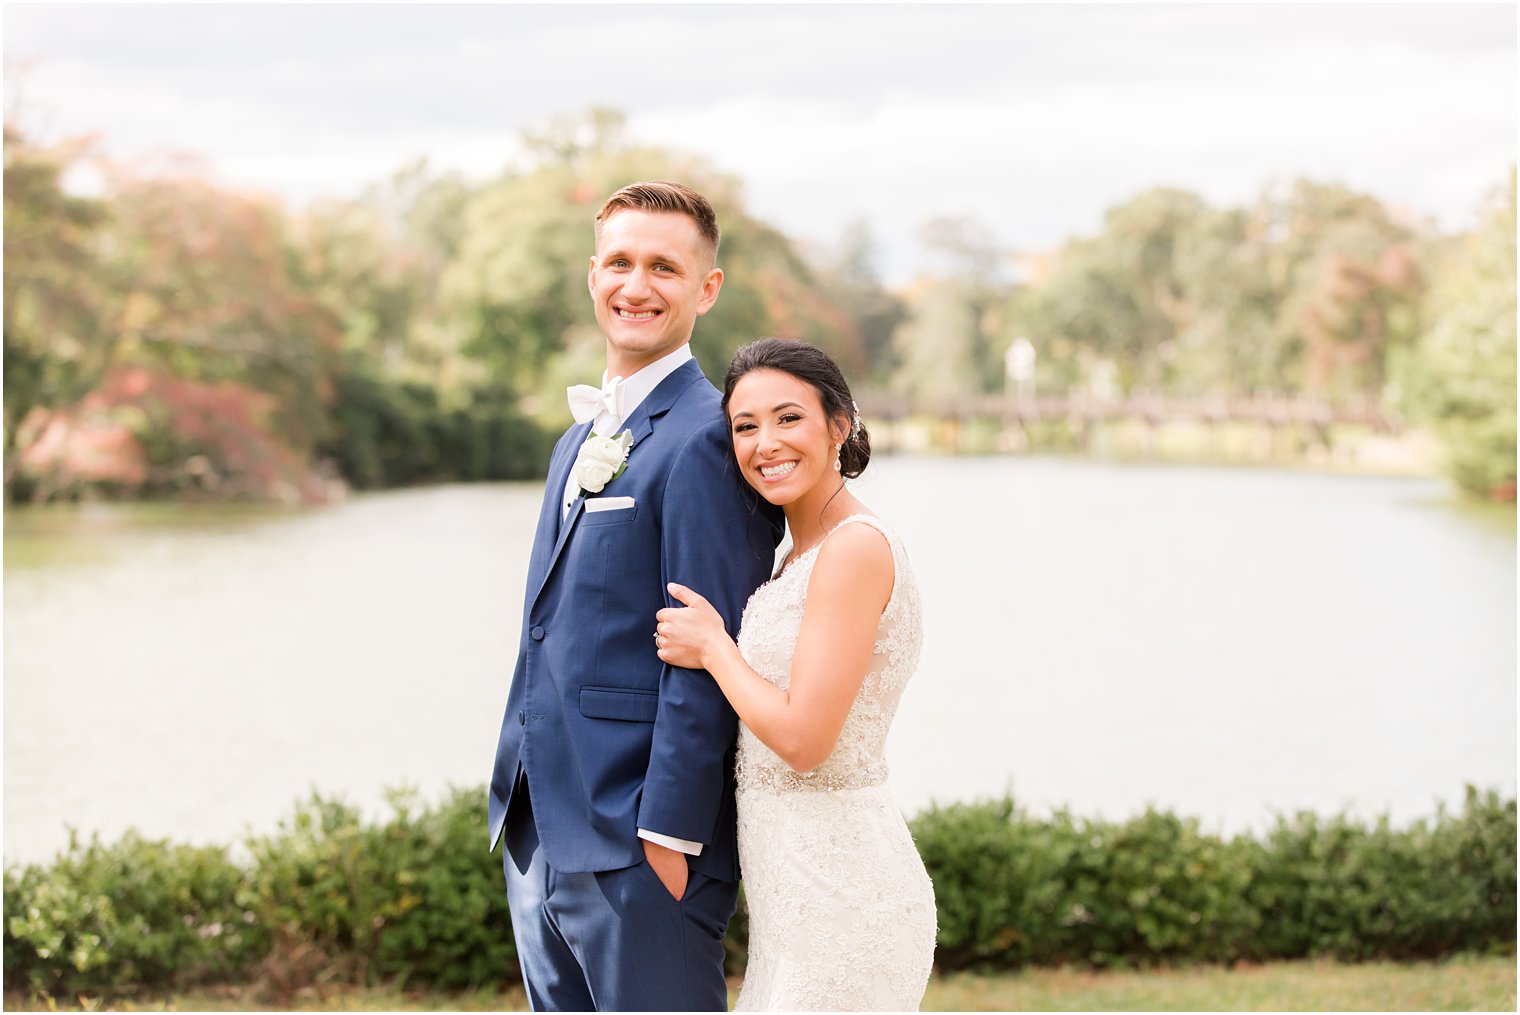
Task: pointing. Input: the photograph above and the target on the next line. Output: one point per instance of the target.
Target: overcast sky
(1033, 119)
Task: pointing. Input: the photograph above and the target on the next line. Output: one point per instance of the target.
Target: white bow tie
(587, 402)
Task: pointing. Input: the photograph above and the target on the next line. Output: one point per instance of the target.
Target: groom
(613, 781)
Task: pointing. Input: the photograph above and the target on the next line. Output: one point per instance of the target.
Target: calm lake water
(1227, 643)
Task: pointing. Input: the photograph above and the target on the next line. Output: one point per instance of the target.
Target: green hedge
(1016, 891)
(135, 912)
(417, 897)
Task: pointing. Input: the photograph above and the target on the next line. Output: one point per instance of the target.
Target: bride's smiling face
(783, 442)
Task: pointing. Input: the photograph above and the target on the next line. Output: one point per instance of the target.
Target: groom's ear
(710, 286)
(591, 276)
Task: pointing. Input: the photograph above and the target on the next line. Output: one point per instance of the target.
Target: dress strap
(876, 523)
(871, 520)
(893, 547)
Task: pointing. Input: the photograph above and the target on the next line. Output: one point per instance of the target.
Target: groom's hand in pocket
(669, 865)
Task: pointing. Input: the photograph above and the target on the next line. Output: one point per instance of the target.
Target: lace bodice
(767, 637)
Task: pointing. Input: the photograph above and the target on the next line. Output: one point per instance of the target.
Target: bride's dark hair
(811, 364)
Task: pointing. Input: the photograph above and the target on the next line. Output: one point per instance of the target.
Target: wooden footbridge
(1082, 412)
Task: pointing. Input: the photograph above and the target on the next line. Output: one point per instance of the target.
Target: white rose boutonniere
(601, 460)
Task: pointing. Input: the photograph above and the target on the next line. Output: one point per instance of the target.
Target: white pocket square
(608, 503)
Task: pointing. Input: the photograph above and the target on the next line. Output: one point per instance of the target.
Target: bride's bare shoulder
(856, 559)
(860, 534)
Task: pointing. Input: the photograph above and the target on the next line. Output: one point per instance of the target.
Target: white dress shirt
(636, 388)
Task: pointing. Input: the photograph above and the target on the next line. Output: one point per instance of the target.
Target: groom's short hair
(664, 196)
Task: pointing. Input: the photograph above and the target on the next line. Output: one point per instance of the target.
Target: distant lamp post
(1018, 362)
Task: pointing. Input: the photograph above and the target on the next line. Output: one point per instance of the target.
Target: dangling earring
(836, 456)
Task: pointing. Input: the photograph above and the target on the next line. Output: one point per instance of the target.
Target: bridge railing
(1272, 410)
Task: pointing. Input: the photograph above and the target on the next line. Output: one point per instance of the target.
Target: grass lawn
(1459, 984)
(1463, 983)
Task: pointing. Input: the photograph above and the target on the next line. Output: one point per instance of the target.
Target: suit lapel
(665, 394)
(640, 424)
(566, 527)
(559, 475)
(558, 530)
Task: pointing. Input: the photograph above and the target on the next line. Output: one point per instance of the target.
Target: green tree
(1461, 374)
(375, 262)
(972, 266)
(212, 295)
(874, 313)
(1305, 290)
(172, 349)
(1352, 287)
(934, 345)
(56, 344)
(1121, 296)
(516, 291)
(1229, 342)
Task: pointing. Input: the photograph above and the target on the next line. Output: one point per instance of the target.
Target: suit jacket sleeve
(718, 540)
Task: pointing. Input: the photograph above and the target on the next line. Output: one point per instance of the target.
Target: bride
(841, 909)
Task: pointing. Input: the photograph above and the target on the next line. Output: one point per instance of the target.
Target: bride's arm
(847, 591)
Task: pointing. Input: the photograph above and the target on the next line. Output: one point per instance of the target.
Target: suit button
(537, 634)
(522, 718)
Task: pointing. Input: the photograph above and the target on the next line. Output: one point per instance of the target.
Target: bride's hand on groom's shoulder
(684, 635)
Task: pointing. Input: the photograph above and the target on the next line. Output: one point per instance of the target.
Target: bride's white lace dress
(841, 910)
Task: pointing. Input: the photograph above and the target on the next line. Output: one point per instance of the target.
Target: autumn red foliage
(147, 431)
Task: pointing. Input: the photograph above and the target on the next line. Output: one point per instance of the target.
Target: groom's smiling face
(650, 280)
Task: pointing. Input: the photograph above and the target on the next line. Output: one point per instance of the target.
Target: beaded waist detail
(781, 779)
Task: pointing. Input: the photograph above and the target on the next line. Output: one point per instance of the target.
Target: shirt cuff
(680, 845)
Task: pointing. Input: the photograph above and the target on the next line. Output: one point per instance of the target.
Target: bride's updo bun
(811, 364)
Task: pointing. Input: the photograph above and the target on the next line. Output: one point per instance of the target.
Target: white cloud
(1034, 118)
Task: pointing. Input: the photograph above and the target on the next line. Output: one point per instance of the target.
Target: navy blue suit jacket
(610, 738)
